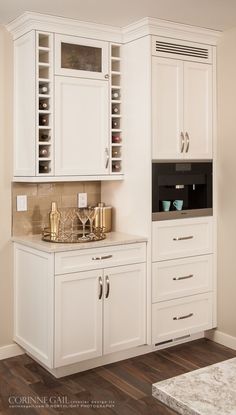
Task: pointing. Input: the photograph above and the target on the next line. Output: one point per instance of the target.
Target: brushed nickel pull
(100, 288)
(98, 258)
(183, 317)
(106, 76)
(183, 278)
(182, 142)
(107, 159)
(108, 286)
(188, 142)
(182, 238)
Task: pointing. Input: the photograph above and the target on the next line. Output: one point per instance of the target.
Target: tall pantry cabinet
(169, 102)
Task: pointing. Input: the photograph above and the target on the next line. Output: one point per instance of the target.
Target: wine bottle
(115, 95)
(116, 167)
(44, 168)
(43, 152)
(116, 139)
(43, 105)
(43, 120)
(115, 110)
(115, 124)
(43, 89)
(44, 137)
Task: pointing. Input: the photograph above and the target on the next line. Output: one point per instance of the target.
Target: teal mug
(166, 205)
(178, 204)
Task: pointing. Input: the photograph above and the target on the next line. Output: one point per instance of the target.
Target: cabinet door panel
(198, 109)
(125, 307)
(78, 318)
(81, 126)
(167, 108)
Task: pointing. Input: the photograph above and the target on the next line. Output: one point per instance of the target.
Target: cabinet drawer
(182, 238)
(97, 258)
(181, 277)
(172, 319)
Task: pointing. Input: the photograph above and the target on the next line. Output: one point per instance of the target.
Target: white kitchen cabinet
(124, 307)
(81, 126)
(181, 109)
(80, 315)
(77, 56)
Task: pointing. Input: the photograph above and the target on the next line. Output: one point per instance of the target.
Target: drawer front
(181, 277)
(182, 238)
(97, 258)
(176, 318)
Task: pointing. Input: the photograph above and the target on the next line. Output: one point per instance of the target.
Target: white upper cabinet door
(81, 127)
(167, 108)
(124, 307)
(80, 57)
(78, 317)
(198, 110)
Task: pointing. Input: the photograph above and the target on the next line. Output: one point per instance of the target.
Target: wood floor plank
(120, 388)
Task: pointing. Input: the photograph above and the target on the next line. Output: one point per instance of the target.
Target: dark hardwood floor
(122, 388)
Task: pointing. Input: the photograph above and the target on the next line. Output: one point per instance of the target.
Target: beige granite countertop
(112, 238)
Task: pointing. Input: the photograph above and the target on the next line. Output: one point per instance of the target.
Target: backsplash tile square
(39, 198)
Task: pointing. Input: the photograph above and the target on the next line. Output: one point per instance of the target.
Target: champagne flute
(83, 217)
(92, 213)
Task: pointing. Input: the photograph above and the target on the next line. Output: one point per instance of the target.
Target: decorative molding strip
(144, 27)
(56, 24)
(10, 350)
(165, 28)
(222, 338)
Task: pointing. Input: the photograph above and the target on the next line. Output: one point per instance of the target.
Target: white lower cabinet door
(78, 317)
(124, 307)
(181, 317)
(81, 126)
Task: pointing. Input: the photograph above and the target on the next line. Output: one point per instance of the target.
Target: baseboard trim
(10, 350)
(222, 338)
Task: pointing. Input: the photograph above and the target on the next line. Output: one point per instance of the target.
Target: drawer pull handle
(98, 258)
(182, 238)
(108, 286)
(183, 278)
(183, 317)
(100, 288)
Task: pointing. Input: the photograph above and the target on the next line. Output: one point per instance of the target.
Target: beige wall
(227, 183)
(5, 188)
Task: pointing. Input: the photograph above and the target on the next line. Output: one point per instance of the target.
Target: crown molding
(56, 24)
(144, 27)
(165, 28)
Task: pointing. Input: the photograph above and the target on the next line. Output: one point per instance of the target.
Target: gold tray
(75, 237)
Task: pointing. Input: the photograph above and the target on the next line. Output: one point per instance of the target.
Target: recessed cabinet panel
(81, 57)
(124, 307)
(78, 318)
(167, 108)
(198, 109)
(81, 127)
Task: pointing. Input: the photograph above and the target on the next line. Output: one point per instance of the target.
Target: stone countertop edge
(180, 407)
(112, 239)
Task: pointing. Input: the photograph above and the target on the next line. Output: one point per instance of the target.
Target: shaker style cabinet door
(124, 307)
(198, 110)
(78, 317)
(81, 127)
(167, 108)
(80, 57)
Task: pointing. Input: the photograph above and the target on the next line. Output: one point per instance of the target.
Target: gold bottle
(54, 220)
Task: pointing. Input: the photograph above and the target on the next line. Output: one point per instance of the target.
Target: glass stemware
(92, 213)
(83, 217)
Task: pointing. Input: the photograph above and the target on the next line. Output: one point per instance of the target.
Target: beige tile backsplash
(39, 198)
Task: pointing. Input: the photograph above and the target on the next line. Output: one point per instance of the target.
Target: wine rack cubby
(44, 106)
(116, 110)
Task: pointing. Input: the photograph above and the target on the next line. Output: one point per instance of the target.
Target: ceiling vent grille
(183, 50)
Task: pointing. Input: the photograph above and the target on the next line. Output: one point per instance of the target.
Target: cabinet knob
(106, 76)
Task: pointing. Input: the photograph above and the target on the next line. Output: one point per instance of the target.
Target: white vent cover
(184, 50)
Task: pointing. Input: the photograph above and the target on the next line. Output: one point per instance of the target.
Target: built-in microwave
(181, 189)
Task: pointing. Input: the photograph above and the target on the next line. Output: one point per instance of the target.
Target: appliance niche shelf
(116, 148)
